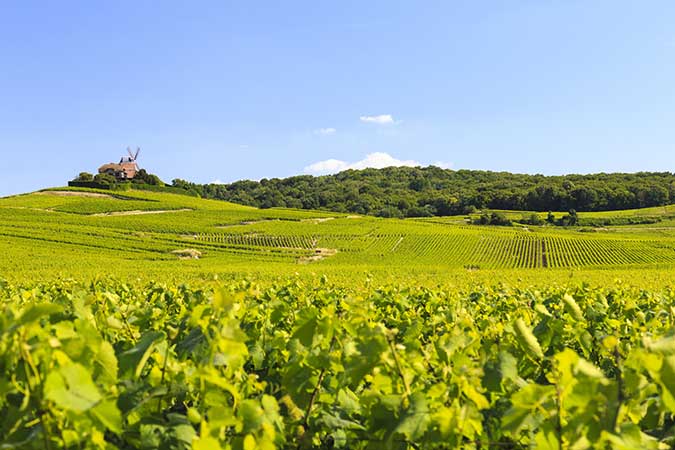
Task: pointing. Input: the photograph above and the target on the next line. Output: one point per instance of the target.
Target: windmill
(126, 169)
(132, 156)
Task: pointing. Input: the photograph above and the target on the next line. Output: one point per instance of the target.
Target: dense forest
(432, 191)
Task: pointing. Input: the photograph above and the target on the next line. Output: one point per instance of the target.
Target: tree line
(432, 191)
(107, 180)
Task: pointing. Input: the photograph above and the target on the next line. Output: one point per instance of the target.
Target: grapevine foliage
(109, 365)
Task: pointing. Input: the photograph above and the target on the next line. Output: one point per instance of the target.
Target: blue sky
(228, 90)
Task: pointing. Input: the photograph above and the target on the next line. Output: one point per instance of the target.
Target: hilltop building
(126, 169)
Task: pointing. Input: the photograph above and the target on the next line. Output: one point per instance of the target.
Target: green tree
(142, 176)
(84, 177)
(532, 219)
(105, 179)
(390, 212)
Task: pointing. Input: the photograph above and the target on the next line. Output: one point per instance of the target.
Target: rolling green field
(86, 233)
(146, 320)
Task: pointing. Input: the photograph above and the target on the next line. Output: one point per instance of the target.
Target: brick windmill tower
(126, 169)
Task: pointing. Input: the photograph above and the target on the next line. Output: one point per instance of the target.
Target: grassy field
(85, 233)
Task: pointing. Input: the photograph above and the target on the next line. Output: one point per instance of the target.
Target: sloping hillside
(67, 231)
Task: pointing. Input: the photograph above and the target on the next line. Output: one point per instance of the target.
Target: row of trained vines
(108, 365)
(261, 240)
(521, 250)
(457, 246)
(503, 249)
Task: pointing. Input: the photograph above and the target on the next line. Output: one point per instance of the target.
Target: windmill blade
(138, 150)
(131, 155)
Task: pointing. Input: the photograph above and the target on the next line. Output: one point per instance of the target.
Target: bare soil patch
(318, 219)
(75, 194)
(319, 254)
(139, 212)
(187, 253)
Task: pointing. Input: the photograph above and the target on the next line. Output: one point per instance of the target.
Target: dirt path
(544, 256)
(139, 213)
(318, 219)
(75, 194)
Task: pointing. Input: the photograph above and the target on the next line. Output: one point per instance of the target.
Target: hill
(432, 191)
(89, 232)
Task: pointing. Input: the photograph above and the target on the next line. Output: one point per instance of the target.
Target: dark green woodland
(432, 191)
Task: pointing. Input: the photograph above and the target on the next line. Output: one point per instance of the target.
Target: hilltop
(432, 191)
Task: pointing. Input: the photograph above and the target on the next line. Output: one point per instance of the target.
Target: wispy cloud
(325, 131)
(217, 181)
(377, 160)
(382, 119)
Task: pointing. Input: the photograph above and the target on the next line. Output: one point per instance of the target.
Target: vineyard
(289, 365)
(464, 247)
(119, 231)
(431, 333)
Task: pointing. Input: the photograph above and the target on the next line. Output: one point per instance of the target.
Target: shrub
(492, 218)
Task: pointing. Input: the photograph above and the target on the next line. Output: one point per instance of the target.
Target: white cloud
(327, 166)
(377, 160)
(443, 164)
(217, 181)
(325, 131)
(382, 119)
